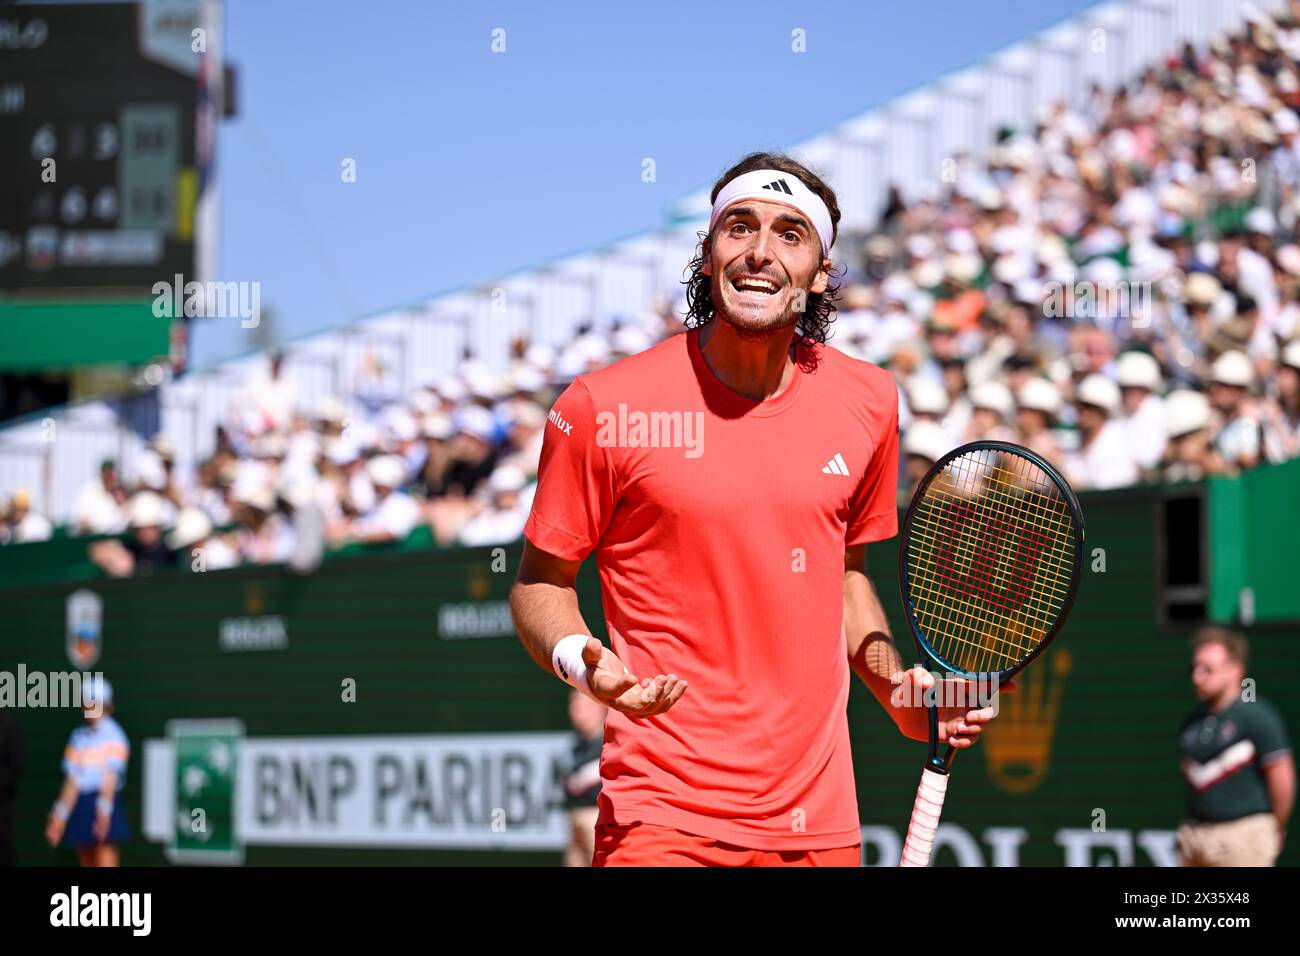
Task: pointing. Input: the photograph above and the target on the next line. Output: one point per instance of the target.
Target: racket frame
(942, 764)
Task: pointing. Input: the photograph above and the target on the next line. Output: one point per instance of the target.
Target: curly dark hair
(815, 321)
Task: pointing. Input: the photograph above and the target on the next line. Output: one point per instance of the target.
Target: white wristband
(569, 666)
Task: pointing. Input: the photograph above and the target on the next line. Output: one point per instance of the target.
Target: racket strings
(969, 482)
(991, 551)
(980, 552)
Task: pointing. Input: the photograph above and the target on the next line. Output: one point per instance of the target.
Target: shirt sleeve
(69, 751)
(116, 759)
(873, 511)
(1268, 732)
(575, 480)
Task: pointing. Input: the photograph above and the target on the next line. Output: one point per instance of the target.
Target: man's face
(1288, 382)
(1030, 421)
(916, 467)
(954, 379)
(1191, 447)
(1225, 398)
(1213, 671)
(1091, 419)
(985, 421)
(774, 245)
(1133, 398)
(943, 343)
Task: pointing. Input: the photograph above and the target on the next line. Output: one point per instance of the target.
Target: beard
(749, 318)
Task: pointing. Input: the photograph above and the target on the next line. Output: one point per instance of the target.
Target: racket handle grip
(925, 818)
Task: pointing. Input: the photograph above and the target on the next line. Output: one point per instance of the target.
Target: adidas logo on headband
(789, 189)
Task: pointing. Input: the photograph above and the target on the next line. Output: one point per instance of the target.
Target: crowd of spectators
(1117, 288)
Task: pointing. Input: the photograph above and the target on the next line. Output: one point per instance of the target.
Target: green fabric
(1227, 550)
(63, 335)
(1254, 524)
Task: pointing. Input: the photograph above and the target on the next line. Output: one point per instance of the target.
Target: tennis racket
(989, 563)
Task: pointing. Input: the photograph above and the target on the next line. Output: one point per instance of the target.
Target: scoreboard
(102, 158)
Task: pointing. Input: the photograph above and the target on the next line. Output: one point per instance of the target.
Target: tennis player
(728, 481)
(88, 811)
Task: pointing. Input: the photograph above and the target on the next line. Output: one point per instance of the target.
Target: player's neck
(1223, 701)
(757, 367)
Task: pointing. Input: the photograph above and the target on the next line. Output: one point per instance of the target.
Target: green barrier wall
(1254, 542)
(1081, 766)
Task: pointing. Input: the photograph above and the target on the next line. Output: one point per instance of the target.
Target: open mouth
(753, 285)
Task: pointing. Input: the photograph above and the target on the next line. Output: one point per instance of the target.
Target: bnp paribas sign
(211, 791)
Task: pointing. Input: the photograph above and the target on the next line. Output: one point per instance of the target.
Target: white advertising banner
(478, 791)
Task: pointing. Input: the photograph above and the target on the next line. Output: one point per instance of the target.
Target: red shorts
(644, 844)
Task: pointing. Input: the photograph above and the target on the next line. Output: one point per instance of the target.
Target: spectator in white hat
(395, 513)
(1237, 439)
(437, 431)
(209, 492)
(267, 402)
(156, 470)
(1282, 411)
(922, 445)
(143, 551)
(1038, 406)
(100, 506)
(992, 406)
(474, 451)
(502, 519)
(1143, 414)
(1189, 456)
(926, 400)
(1103, 458)
(196, 547)
(22, 525)
(264, 536)
(358, 492)
(523, 447)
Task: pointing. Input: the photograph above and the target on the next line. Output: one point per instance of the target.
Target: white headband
(774, 185)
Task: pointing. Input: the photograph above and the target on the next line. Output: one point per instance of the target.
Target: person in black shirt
(1236, 761)
(143, 551)
(475, 452)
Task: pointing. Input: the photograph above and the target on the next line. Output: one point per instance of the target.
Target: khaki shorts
(1250, 841)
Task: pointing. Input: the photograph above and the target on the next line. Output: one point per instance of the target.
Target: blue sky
(472, 164)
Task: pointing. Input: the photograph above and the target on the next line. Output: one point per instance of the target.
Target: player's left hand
(958, 725)
(102, 822)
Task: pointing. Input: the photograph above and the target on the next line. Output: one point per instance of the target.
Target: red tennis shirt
(719, 526)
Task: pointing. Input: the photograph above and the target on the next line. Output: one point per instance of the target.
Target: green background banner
(1254, 541)
(43, 336)
(1080, 767)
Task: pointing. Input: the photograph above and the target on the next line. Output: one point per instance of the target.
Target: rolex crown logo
(1018, 744)
(479, 587)
(253, 603)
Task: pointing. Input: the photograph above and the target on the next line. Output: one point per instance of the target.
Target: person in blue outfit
(88, 814)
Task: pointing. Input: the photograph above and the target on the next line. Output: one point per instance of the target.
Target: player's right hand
(53, 830)
(621, 690)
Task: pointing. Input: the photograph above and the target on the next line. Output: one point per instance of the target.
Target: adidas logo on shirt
(556, 419)
(836, 466)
